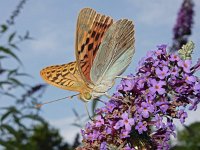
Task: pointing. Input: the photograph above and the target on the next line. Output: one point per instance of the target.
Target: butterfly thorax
(95, 91)
(101, 89)
(85, 94)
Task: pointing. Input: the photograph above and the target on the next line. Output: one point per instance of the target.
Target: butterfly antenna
(124, 77)
(88, 112)
(68, 97)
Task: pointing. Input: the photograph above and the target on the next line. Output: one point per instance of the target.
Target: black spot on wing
(90, 46)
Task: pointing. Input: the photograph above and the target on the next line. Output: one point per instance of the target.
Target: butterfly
(103, 49)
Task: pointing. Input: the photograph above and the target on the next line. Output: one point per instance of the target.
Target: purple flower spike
(125, 122)
(157, 86)
(186, 65)
(146, 109)
(128, 85)
(163, 106)
(182, 115)
(174, 57)
(183, 26)
(190, 79)
(100, 121)
(110, 106)
(197, 88)
(162, 73)
(141, 127)
(128, 148)
(174, 71)
(124, 134)
(103, 146)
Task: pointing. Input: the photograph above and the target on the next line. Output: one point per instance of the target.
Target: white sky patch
(156, 13)
(67, 131)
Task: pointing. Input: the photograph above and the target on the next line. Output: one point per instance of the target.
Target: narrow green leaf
(15, 81)
(9, 52)
(12, 72)
(27, 36)
(9, 94)
(3, 28)
(75, 113)
(18, 122)
(5, 83)
(3, 71)
(11, 37)
(10, 129)
(10, 111)
(6, 144)
(14, 46)
(2, 57)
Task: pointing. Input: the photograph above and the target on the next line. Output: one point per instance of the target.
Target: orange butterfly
(103, 51)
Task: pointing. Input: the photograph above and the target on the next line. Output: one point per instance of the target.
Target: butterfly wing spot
(91, 27)
(93, 34)
(97, 37)
(64, 76)
(90, 46)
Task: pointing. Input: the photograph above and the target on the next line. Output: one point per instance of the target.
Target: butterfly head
(85, 96)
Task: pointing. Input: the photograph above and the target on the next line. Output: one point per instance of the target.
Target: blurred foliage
(42, 137)
(21, 126)
(188, 138)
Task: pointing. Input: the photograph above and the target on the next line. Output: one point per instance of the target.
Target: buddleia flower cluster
(183, 26)
(141, 113)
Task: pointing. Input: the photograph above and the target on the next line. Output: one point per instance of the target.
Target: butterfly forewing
(91, 28)
(115, 52)
(103, 51)
(64, 76)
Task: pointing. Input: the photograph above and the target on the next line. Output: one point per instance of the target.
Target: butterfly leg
(86, 107)
(107, 95)
(124, 77)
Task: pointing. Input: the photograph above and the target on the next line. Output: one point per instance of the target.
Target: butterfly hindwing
(91, 28)
(64, 76)
(115, 52)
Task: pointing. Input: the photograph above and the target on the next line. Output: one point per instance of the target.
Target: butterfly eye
(87, 96)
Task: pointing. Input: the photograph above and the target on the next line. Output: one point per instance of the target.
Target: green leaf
(2, 57)
(3, 28)
(186, 51)
(14, 46)
(10, 111)
(9, 52)
(75, 113)
(27, 36)
(94, 105)
(6, 144)
(11, 37)
(18, 122)
(10, 129)
(15, 81)
(12, 72)
(5, 83)
(3, 71)
(8, 94)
